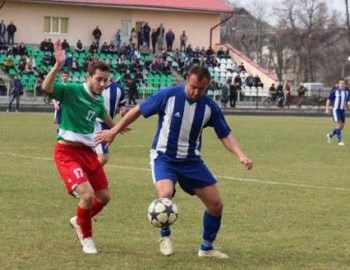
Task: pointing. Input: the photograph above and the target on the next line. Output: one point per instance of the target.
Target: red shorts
(79, 164)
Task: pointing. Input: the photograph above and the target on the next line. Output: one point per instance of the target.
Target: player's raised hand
(60, 54)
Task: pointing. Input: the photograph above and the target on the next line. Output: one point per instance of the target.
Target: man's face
(97, 82)
(196, 89)
(341, 84)
(64, 77)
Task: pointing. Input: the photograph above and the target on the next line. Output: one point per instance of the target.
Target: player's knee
(87, 197)
(216, 208)
(105, 199)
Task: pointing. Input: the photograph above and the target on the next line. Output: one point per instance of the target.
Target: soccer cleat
(341, 143)
(166, 246)
(73, 223)
(88, 246)
(213, 253)
(329, 138)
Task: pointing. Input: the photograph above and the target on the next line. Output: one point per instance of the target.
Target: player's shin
(211, 226)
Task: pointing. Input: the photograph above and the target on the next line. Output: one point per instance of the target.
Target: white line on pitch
(217, 176)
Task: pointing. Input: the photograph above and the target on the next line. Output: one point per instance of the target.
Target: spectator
(257, 82)
(249, 81)
(144, 50)
(301, 93)
(132, 91)
(139, 77)
(241, 68)
(11, 30)
(220, 53)
(234, 88)
(2, 32)
(154, 40)
(65, 45)
(14, 50)
(225, 89)
(93, 48)
(3, 47)
(118, 39)
(133, 37)
(169, 39)
(280, 95)
(189, 51)
(146, 30)
(210, 52)
(69, 60)
(227, 53)
(48, 59)
(21, 65)
(22, 50)
(139, 38)
(44, 46)
(50, 45)
(75, 65)
(160, 37)
(166, 68)
(104, 48)
(183, 41)
(96, 33)
(273, 93)
(79, 46)
(30, 66)
(287, 95)
(8, 63)
(112, 48)
(16, 89)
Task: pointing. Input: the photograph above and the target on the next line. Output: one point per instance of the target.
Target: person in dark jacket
(16, 88)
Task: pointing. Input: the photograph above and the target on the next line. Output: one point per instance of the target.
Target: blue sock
(211, 226)
(338, 133)
(333, 132)
(165, 232)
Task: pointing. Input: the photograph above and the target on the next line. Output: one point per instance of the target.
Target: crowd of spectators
(148, 51)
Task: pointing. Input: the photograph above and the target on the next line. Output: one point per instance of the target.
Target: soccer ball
(162, 213)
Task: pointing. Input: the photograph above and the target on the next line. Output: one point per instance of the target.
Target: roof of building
(217, 6)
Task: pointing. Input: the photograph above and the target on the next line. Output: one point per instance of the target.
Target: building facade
(73, 20)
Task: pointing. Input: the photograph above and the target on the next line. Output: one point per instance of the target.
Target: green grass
(292, 211)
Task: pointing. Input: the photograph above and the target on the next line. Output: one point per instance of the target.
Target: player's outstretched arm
(107, 136)
(60, 57)
(232, 146)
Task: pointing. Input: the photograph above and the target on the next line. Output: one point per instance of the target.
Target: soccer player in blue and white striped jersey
(184, 111)
(339, 97)
(114, 101)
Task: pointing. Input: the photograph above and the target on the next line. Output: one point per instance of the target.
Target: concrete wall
(29, 19)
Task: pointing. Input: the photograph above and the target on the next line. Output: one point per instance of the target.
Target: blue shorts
(339, 116)
(190, 174)
(101, 149)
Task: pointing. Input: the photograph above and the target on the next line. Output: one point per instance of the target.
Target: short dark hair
(200, 71)
(94, 65)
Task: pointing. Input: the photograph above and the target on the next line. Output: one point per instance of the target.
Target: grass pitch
(292, 211)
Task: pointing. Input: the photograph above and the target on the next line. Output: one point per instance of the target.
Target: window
(126, 29)
(56, 25)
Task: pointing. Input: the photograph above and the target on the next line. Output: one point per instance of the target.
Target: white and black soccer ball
(162, 213)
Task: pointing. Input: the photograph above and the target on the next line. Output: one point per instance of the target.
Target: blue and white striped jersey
(339, 98)
(114, 97)
(181, 122)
